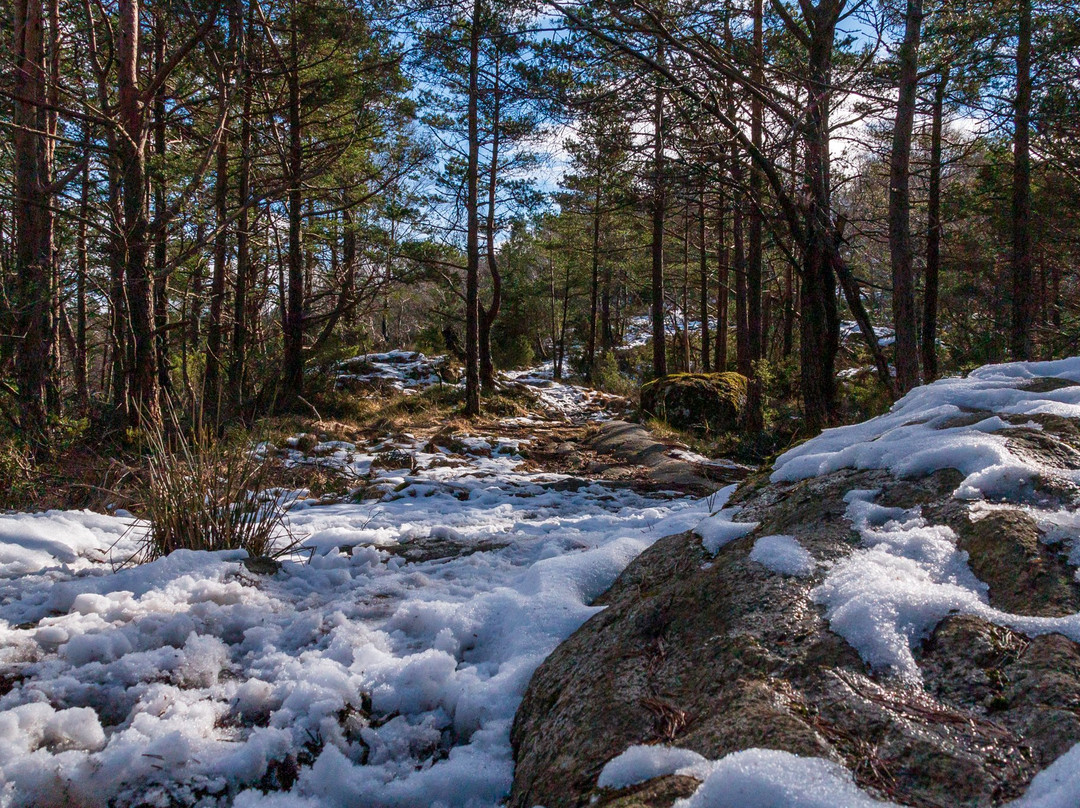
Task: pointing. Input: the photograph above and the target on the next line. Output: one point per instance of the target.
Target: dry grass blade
(199, 493)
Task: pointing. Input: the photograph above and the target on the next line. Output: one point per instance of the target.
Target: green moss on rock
(712, 402)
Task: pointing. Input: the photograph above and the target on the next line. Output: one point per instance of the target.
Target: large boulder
(711, 402)
(778, 641)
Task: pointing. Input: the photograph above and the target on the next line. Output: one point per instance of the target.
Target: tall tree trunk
(723, 290)
(52, 119)
(118, 320)
(755, 399)
(472, 272)
(742, 331)
(488, 315)
(33, 253)
(144, 382)
(293, 375)
(212, 388)
(819, 325)
(703, 282)
(82, 386)
(1020, 336)
(901, 250)
(594, 278)
(933, 234)
(659, 203)
(161, 272)
(607, 335)
(243, 190)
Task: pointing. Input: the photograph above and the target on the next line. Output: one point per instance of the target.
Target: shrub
(199, 493)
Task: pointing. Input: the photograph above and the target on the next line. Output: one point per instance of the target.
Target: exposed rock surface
(712, 402)
(722, 654)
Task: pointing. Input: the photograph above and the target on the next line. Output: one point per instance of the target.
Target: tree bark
(594, 278)
(33, 244)
(293, 371)
(145, 406)
(82, 386)
(659, 204)
(472, 272)
(243, 191)
(933, 234)
(1022, 293)
(755, 398)
(490, 313)
(703, 280)
(215, 327)
(819, 325)
(161, 272)
(901, 250)
(723, 291)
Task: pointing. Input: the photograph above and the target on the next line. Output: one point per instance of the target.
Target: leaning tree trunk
(901, 250)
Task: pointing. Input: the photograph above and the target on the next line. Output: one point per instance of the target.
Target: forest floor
(438, 563)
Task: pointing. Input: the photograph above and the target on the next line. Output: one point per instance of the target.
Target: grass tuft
(200, 493)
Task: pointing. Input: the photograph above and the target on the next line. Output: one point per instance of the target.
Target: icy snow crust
(389, 682)
(914, 438)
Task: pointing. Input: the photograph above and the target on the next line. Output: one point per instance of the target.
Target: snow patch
(784, 556)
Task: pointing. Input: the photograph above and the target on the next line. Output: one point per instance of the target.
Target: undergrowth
(201, 493)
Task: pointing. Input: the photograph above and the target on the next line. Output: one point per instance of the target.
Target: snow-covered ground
(566, 400)
(407, 371)
(381, 666)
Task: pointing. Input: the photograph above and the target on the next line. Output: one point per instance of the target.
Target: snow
(938, 426)
(567, 401)
(783, 555)
(407, 371)
(885, 335)
(374, 679)
(640, 763)
(769, 778)
(887, 598)
(719, 529)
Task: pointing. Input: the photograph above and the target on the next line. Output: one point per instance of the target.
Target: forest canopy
(203, 201)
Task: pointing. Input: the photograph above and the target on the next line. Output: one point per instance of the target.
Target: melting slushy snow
(358, 677)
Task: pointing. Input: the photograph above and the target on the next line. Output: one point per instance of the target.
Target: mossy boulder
(710, 402)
